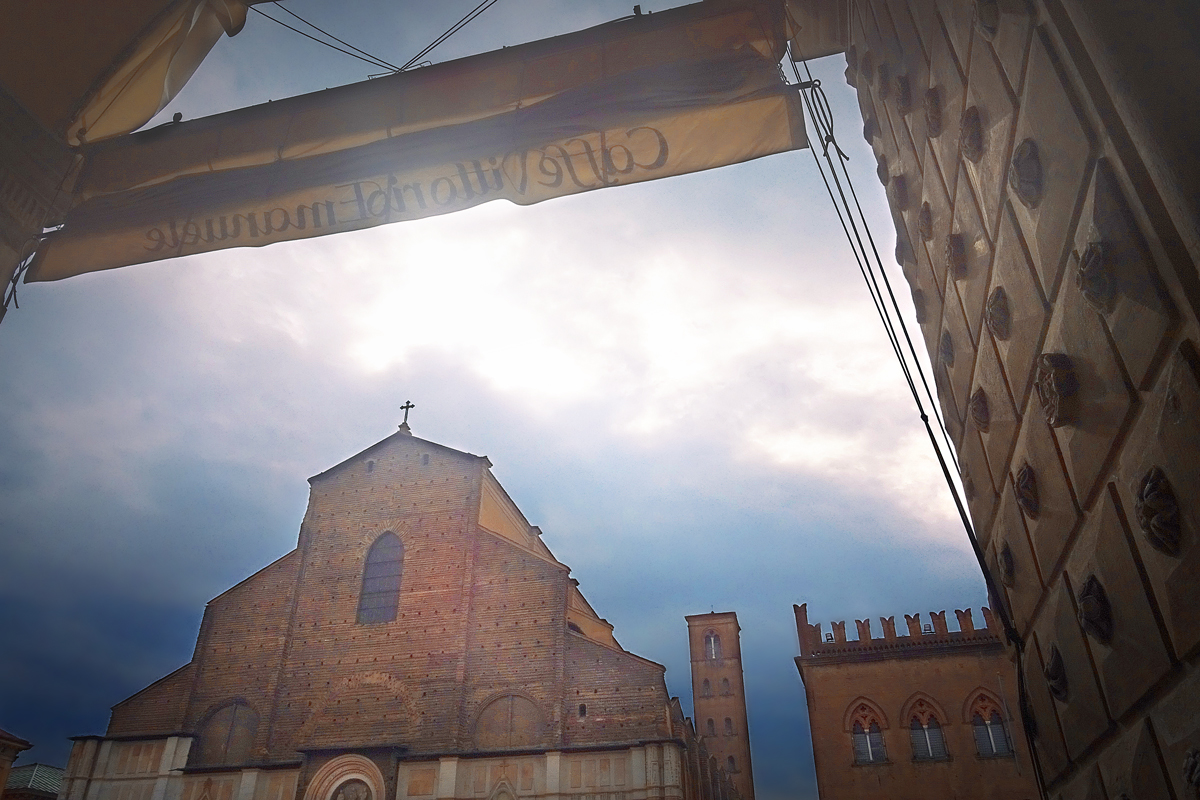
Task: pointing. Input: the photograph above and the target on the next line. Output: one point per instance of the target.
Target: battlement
(934, 634)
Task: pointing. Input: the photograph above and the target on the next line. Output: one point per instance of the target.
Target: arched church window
(868, 743)
(380, 596)
(728, 727)
(730, 764)
(725, 686)
(991, 734)
(226, 736)
(711, 728)
(706, 688)
(712, 646)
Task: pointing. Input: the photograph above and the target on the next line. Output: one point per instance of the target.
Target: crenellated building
(420, 643)
(927, 713)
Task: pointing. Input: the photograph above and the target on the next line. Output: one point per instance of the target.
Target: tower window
(706, 688)
(424, 459)
(380, 596)
(728, 727)
(711, 728)
(583, 709)
(731, 764)
(712, 646)
(725, 686)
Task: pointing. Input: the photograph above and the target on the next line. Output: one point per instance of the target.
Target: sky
(682, 382)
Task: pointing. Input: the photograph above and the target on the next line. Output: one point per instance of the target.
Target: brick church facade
(420, 642)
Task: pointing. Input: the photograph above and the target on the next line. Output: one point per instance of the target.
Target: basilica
(420, 642)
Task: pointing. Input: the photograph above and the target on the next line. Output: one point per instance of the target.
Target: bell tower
(718, 694)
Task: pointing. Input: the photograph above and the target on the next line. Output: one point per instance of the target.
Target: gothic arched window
(732, 765)
(226, 736)
(710, 728)
(991, 734)
(868, 743)
(728, 727)
(706, 689)
(712, 646)
(725, 686)
(380, 596)
(928, 743)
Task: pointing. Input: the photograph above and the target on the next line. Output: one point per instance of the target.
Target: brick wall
(157, 709)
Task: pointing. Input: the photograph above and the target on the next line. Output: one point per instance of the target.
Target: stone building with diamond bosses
(420, 643)
(924, 716)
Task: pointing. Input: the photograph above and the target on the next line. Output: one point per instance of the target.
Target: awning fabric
(640, 99)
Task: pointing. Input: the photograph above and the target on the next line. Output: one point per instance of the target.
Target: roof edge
(405, 436)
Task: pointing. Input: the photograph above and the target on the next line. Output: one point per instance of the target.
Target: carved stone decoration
(1025, 177)
(946, 349)
(903, 95)
(1095, 612)
(904, 252)
(978, 408)
(881, 169)
(899, 193)
(1026, 490)
(852, 58)
(987, 17)
(970, 141)
(1056, 675)
(918, 298)
(1191, 770)
(885, 80)
(1056, 387)
(925, 222)
(353, 790)
(997, 315)
(1094, 280)
(1158, 512)
(1006, 565)
(866, 67)
(870, 129)
(933, 112)
(956, 255)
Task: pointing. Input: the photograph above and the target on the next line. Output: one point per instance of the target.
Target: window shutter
(1000, 736)
(920, 746)
(875, 737)
(937, 740)
(983, 742)
(862, 750)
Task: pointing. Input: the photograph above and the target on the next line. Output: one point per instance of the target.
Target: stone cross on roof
(408, 406)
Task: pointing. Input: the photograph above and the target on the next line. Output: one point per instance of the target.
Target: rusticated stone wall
(1041, 182)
